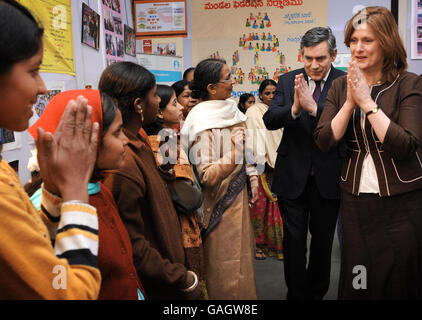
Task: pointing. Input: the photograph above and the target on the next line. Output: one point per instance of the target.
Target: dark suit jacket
(297, 152)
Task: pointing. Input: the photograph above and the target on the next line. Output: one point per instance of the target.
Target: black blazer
(297, 152)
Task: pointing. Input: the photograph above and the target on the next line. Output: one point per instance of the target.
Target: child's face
(112, 150)
(19, 90)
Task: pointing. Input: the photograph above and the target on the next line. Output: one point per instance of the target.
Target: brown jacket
(398, 161)
(147, 211)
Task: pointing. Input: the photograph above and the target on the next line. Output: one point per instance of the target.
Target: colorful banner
(416, 29)
(113, 31)
(262, 42)
(56, 18)
(160, 17)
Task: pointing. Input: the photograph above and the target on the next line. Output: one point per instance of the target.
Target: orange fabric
(53, 112)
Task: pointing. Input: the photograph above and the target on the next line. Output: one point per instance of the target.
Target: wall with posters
(411, 29)
(88, 64)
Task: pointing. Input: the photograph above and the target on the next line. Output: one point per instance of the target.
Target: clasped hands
(303, 97)
(67, 157)
(358, 91)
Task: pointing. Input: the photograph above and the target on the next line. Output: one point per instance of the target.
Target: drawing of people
(273, 48)
(248, 24)
(270, 37)
(252, 16)
(250, 37)
(268, 48)
(266, 16)
(256, 59)
(259, 16)
(262, 26)
(268, 23)
(255, 25)
(257, 47)
(263, 37)
(240, 42)
(276, 44)
(299, 56)
(250, 46)
(263, 47)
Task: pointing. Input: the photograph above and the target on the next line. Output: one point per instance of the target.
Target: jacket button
(208, 209)
(123, 250)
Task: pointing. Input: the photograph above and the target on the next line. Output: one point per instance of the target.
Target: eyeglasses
(230, 80)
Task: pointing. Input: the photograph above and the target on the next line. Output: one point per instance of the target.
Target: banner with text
(258, 39)
(56, 18)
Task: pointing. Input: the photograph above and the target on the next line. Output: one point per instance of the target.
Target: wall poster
(90, 27)
(10, 140)
(416, 30)
(56, 18)
(130, 41)
(263, 43)
(160, 17)
(113, 31)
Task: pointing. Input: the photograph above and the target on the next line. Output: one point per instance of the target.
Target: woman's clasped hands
(67, 158)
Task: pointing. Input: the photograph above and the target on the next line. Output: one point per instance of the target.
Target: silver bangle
(195, 283)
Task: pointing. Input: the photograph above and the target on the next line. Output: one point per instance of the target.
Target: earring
(141, 112)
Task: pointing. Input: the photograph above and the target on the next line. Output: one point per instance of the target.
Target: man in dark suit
(306, 180)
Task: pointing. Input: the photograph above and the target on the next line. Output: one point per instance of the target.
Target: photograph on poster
(120, 48)
(117, 25)
(107, 3)
(90, 27)
(110, 45)
(130, 41)
(43, 100)
(7, 136)
(115, 5)
(108, 20)
(420, 4)
(110, 62)
(419, 32)
(419, 47)
(419, 17)
(10, 140)
(166, 49)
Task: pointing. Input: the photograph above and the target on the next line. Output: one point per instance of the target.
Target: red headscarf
(50, 118)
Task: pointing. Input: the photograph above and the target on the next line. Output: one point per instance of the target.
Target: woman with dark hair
(214, 132)
(30, 266)
(184, 97)
(246, 100)
(141, 195)
(188, 74)
(376, 111)
(165, 140)
(118, 274)
(265, 213)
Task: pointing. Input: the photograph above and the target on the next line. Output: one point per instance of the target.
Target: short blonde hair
(385, 28)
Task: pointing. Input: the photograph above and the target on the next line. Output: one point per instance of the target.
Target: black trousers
(318, 215)
(383, 235)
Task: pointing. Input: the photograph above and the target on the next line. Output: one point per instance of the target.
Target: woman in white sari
(214, 132)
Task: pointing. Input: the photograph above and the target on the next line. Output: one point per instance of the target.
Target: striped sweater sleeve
(73, 227)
